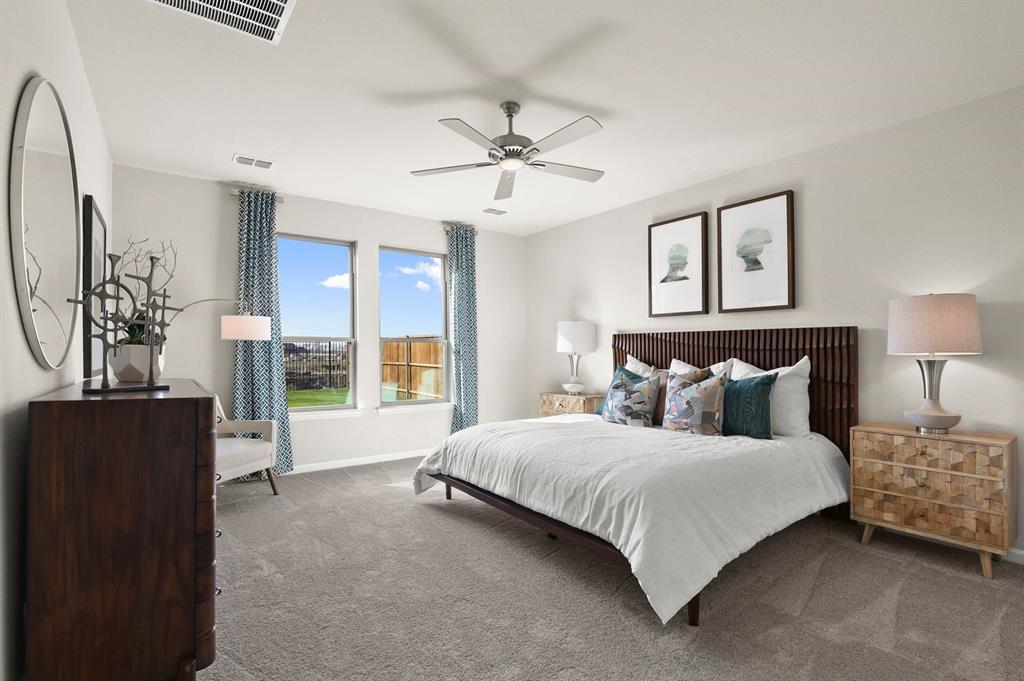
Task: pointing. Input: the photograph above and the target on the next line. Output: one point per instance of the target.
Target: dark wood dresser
(120, 544)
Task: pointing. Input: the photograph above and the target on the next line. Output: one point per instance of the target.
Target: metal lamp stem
(930, 417)
(574, 366)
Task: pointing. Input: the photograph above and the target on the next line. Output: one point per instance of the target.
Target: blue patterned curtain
(462, 313)
(260, 393)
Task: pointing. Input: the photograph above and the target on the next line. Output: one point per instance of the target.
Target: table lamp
(575, 338)
(935, 324)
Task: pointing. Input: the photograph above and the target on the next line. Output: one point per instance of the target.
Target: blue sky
(316, 287)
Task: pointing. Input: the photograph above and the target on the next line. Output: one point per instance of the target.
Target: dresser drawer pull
(217, 477)
(921, 483)
(217, 534)
(217, 591)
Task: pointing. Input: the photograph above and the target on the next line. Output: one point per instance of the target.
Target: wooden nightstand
(958, 488)
(562, 403)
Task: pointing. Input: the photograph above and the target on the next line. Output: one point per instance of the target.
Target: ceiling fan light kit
(512, 152)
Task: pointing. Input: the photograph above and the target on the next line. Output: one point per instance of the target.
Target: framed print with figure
(677, 266)
(755, 254)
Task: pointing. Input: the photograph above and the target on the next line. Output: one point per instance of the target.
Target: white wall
(932, 205)
(202, 218)
(36, 38)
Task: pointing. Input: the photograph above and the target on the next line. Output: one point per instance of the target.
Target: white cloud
(337, 281)
(423, 286)
(431, 268)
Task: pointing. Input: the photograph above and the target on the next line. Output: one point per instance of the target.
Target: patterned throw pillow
(695, 408)
(748, 408)
(631, 402)
(619, 373)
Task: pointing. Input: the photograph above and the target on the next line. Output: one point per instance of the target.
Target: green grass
(322, 397)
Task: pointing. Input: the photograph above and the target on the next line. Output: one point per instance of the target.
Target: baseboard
(1015, 556)
(359, 461)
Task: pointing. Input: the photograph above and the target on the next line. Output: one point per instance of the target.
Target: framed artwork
(755, 254)
(677, 266)
(94, 261)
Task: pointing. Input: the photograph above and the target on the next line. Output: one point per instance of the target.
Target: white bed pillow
(678, 366)
(637, 367)
(790, 399)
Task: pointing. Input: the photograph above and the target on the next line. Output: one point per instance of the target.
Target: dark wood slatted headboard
(832, 349)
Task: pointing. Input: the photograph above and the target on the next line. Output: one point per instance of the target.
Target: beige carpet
(347, 575)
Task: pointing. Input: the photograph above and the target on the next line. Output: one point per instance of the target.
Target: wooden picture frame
(748, 232)
(673, 268)
(94, 264)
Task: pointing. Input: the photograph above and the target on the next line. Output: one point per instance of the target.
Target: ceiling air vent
(263, 19)
(495, 211)
(252, 162)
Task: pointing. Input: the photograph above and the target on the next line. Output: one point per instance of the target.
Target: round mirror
(45, 223)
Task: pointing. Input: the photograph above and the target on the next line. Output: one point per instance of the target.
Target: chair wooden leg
(273, 482)
(693, 611)
(447, 491)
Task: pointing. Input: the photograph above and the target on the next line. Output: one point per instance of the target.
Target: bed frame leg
(447, 491)
(693, 611)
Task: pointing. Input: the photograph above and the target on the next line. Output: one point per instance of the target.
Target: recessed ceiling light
(495, 211)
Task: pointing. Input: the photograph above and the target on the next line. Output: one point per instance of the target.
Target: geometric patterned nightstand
(959, 488)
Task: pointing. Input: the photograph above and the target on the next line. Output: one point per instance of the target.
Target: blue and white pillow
(631, 402)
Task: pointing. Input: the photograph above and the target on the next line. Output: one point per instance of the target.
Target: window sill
(396, 409)
(323, 414)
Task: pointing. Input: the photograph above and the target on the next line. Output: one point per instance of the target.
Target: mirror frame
(17, 221)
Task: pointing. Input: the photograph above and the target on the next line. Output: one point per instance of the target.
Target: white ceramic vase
(131, 363)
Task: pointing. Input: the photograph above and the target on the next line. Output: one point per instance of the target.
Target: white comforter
(678, 506)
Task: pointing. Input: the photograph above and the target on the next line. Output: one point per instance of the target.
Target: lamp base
(573, 386)
(931, 419)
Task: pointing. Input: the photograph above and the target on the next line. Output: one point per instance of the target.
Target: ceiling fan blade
(469, 132)
(575, 172)
(576, 130)
(505, 183)
(451, 169)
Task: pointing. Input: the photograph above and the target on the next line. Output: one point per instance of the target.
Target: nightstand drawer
(929, 518)
(940, 454)
(560, 403)
(947, 488)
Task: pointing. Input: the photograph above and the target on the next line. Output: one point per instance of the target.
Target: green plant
(136, 334)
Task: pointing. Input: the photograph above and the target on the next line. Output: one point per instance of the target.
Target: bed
(674, 507)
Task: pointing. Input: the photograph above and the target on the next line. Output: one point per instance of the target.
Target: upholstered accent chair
(238, 456)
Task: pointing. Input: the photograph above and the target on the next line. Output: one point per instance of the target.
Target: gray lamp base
(930, 418)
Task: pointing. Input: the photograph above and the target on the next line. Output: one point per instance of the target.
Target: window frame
(444, 339)
(353, 374)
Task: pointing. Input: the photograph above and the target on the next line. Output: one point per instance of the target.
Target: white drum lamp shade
(577, 338)
(935, 324)
(244, 327)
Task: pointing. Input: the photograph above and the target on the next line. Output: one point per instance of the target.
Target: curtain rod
(449, 225)
(236, 187)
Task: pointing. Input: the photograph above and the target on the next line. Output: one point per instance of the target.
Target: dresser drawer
(947, 455)
(946, 488)
(926, 517)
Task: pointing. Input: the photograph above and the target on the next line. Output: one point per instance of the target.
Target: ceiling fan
(512, 152)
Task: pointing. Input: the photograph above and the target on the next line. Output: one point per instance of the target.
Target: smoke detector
(252, 161)
(495, 211)
(262, 19)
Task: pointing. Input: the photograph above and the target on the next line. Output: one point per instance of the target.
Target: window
(316, 322)
(412, 327)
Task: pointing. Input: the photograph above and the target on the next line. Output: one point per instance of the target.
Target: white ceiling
(348, 103)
